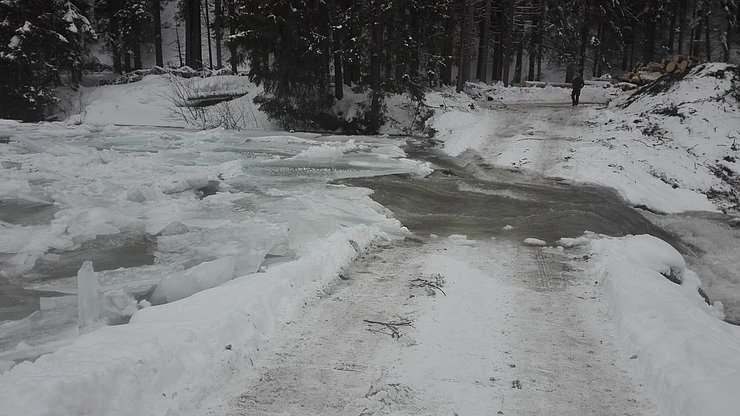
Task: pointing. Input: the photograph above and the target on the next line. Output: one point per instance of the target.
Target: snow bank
(140, 103)
(152, 102)
(689, 358)
(168, 355)
(688, 130)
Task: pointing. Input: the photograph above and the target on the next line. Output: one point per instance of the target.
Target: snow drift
(689, 358)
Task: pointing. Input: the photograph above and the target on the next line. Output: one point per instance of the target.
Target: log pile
(646, 73)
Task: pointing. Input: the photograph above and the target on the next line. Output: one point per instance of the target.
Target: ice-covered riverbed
(163, 213)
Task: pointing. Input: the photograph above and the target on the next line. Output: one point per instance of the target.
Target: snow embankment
(170, 101)
(689, 358)
(688, 131)
(169, 355)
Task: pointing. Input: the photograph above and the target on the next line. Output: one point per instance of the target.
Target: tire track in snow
(521, 331)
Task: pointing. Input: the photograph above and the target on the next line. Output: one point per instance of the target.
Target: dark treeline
(306, 52)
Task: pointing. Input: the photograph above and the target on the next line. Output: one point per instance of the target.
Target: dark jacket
(577, 82)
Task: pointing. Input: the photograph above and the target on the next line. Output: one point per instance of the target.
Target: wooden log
(670, 67)
(675, 58)
(683, 65)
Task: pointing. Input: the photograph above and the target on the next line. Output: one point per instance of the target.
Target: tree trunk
(540, 36)
(692, 34)
(218, 12)
(484, 43)
(207, 13)
(448, 51)
(727, 35)
(127, 61)
(137, 55)
(416, 28)
(569, 72)
(584, 37)
(463, 69)
(193, 38)
(376, 55)
(598, 54)
(507, 46)
(337, 47)
(156, 13)
(672, 27)
(519, 63)
(626, 51)
(497, 54)
(115, 45)
(179, 46)
(233, 59)
(648, 53)
(539, 63)
(708, 32)
(681, 24)
(532, 52)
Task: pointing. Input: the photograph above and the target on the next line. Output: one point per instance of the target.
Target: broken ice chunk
(534, 242)
(201, 277)
(88, 298)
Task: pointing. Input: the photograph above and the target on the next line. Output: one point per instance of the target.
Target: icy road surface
(493, 328)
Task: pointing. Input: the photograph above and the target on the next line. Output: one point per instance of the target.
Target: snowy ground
(588, 325)
(509, 329)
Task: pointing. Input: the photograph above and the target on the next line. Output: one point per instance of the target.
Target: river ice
(162, 214)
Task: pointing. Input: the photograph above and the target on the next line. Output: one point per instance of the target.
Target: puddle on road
(453, 200)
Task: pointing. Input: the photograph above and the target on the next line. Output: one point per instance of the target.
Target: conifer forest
(306, 52)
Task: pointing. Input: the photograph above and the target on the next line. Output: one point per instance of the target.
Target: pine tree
(39, 39)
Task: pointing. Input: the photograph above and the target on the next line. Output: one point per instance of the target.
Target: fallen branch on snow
(392, 326)
(435, 284)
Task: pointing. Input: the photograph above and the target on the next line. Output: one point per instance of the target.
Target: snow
(14, 42)
(139, 103)
(665, 163)
(689, 358)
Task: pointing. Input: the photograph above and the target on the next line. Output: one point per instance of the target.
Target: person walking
(577, 83)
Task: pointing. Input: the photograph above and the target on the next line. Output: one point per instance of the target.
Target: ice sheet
(146, 204)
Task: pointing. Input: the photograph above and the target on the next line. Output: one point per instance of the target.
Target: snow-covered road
(510, 329)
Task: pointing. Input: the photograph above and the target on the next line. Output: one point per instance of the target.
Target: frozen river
(148, 205)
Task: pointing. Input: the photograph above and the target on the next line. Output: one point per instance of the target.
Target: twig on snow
(392, 326)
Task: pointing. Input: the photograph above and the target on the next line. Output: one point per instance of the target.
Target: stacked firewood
(647, 73)
(679, 64)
